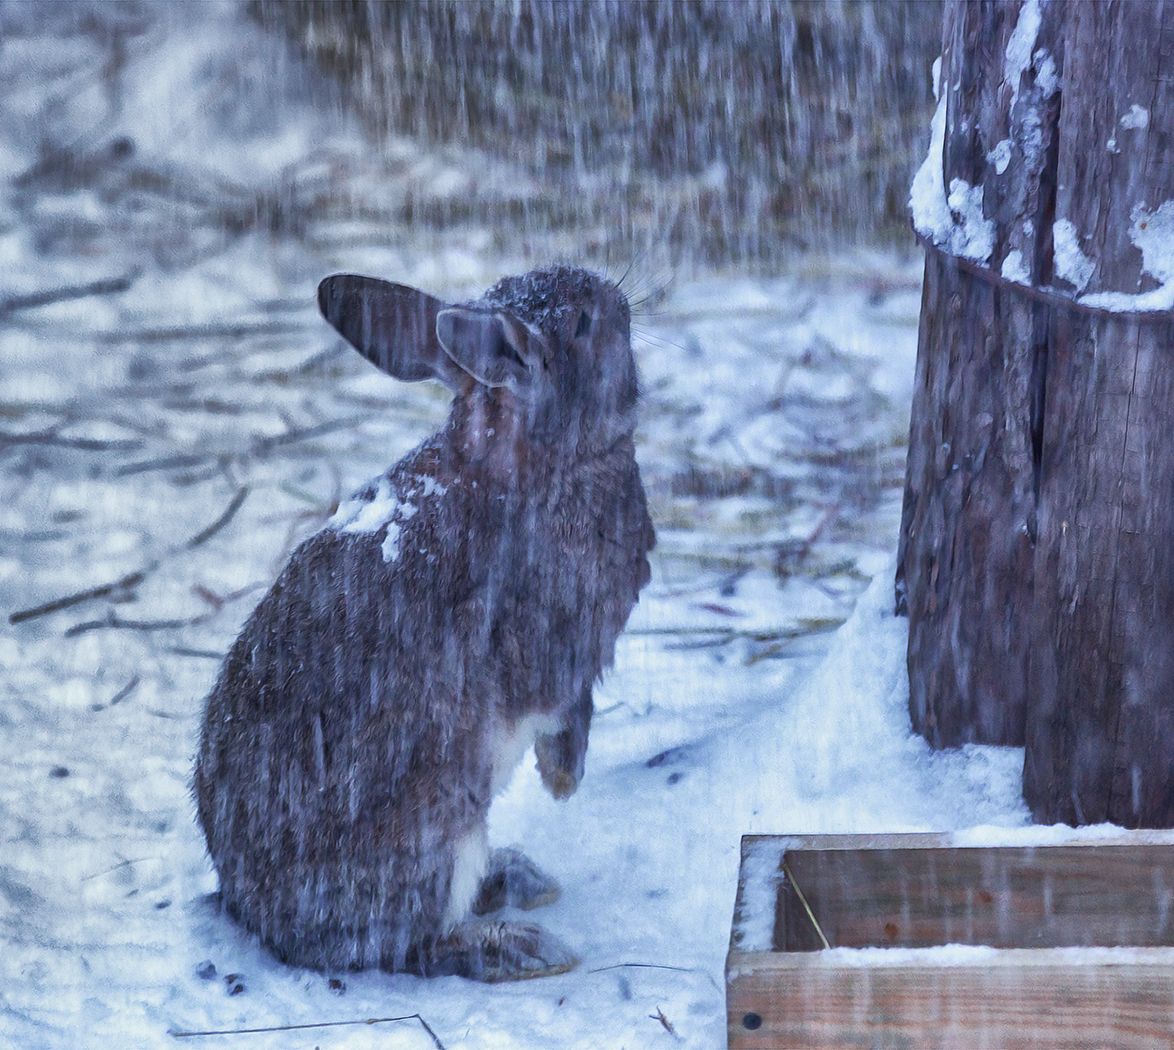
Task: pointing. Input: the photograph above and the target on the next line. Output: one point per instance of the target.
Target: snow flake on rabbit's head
(381, 506)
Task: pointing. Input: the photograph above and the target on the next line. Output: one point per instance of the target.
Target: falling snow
(185, 428)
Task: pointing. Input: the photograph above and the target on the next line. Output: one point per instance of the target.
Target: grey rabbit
(455, 610)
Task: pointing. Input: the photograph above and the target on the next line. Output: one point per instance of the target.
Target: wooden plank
(1001, 897)
(1004, 1002)
(1037, 838)
(972, 997)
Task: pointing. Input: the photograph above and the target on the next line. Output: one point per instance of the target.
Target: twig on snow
(105, 286)
(116, 623)
(229, 330)
(643, 966)
(321, 1024)
(84, 444)
(259, 446)
(190, 459)
(665, 1022)
(721, 634)
(125, 691)
(317, 430)
(205, 534)
(117, 867)
(204, 654)
(125, 585)
(657, 966)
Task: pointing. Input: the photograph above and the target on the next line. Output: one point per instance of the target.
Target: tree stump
(1036, 559)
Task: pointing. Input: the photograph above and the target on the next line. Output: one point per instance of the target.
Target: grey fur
(348, 745)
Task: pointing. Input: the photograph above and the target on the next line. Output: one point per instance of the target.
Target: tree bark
(966, 543)
(1100, 739)
(1037, 545)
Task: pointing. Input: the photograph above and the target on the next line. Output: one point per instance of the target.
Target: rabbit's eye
(584, 325)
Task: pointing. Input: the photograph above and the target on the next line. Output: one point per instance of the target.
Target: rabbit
(454, 611)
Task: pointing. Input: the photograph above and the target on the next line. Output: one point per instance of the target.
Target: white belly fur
(472, 855)
(511, 742)
(472, 852)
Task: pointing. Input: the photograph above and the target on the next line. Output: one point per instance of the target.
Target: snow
(1071, 264)
(1020, 45)
(927, 196)
(938, 955)
(1152, 234)
(378, 507)
(1047, 77)
(771, 442)
(1000, 156)
(973, 235)
(1137, 118)
(1014, 268)
(954, 222)
(1050, 835)
(762, 874)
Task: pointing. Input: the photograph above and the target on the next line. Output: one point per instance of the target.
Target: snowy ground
(207, 393)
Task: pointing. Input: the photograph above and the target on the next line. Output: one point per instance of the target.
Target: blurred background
(710, 133)
(175, 178)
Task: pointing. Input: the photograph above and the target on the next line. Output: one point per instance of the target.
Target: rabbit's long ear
(494, 347)
(391, 325)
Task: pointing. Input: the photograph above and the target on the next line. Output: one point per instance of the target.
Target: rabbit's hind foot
(513, 880)
(501, 951)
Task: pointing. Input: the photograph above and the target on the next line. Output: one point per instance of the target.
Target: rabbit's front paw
(560, 762)
(513, 880)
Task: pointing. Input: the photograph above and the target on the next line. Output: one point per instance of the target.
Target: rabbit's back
(341, 742)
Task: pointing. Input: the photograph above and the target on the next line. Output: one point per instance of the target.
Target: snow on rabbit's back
(454, 610)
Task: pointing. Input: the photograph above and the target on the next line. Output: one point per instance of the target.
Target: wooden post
(1037, 545)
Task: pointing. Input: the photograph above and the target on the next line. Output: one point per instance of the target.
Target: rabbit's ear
(493, 347)
(391, 325)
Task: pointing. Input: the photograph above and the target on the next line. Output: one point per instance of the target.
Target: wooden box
(911, 941)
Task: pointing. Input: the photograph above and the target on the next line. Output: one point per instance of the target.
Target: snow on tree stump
(1036, 558)
(922, 942)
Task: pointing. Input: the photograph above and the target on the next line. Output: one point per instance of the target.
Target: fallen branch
(230, 330)
(124, 692)
(205, 654)
(105, 286)
(45, 437)
(116, 623)
(124, 586)
(657, 966)
(205, 534)
(644, 966)
(259, 446)
(190, 459)
(666, 1024)
(321, 1024)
